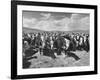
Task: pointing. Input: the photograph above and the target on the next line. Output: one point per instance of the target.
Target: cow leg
(70, 54)
(52, 55)
(58, 51)
(40, 50)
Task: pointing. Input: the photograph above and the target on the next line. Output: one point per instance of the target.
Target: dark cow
(58, 44)
(86, 44)
(28, 55)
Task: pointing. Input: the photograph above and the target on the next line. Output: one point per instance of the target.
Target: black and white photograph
(53, 39)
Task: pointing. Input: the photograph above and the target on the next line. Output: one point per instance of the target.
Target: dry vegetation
(61, 61)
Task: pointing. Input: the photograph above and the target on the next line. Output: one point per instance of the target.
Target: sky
(56, 21)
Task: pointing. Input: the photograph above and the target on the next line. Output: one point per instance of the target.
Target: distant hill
(30, 30)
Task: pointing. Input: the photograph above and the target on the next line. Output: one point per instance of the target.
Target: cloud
(79, 22)
(85, 23)
(45, 15)
(78, 16)
(28, 22)
(52, 24)
(49, 23)
(62, 24)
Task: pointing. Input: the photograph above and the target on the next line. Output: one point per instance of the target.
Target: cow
(54, 44)
(86, 44)
(47, 51)
(58, 44)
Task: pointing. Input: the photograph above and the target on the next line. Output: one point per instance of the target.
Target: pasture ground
(45, 62)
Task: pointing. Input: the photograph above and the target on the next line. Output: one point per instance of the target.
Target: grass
(45, 62)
